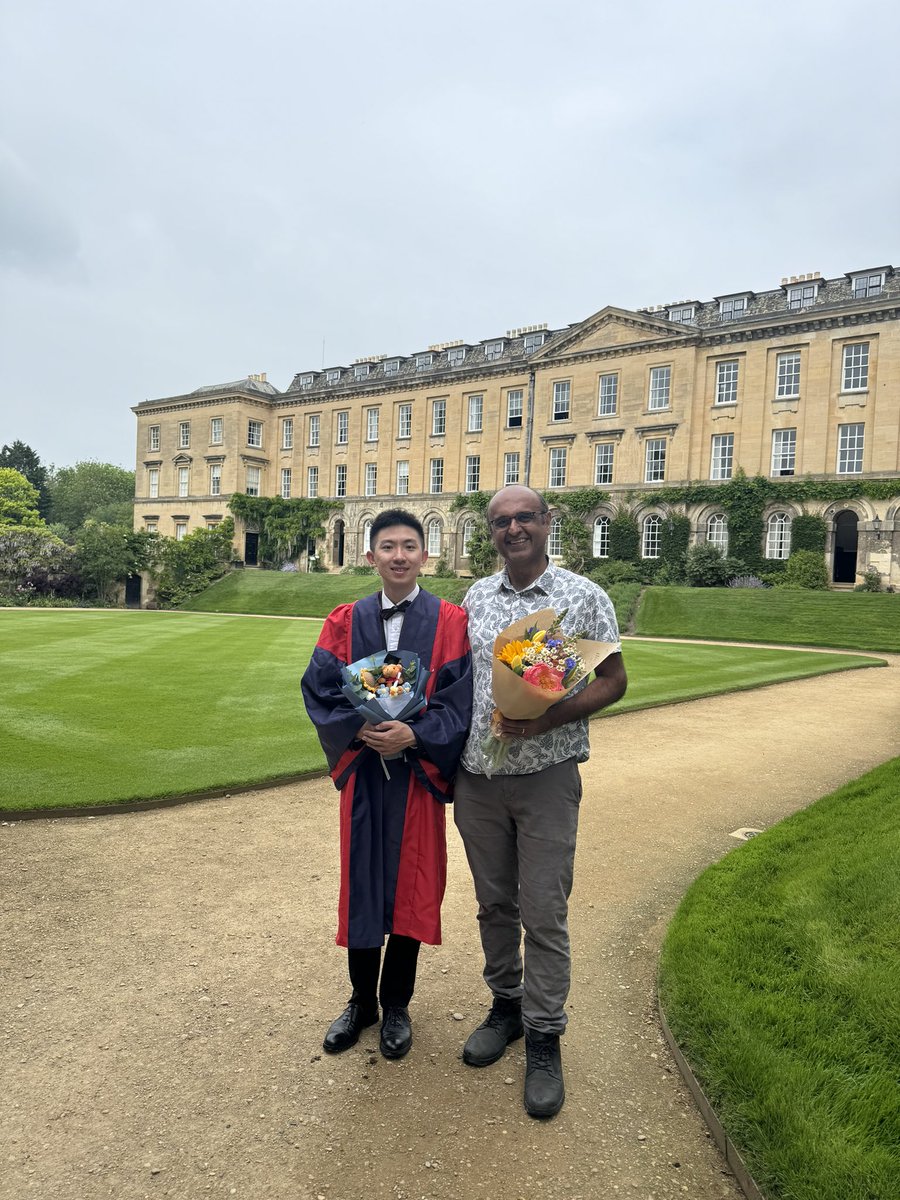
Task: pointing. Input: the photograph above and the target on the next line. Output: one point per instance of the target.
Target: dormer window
(732, 308)
(493, 350)
(533, 341)
(456, 356)
(392, 366)
(361, 370)
(306, 381)
(684, 314)
(333, 376)
(802, 295)
(868, 284)
(424, 361)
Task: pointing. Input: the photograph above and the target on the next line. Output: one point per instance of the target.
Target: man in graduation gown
(392, 830)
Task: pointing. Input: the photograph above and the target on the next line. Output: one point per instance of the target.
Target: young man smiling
(519, 826)
(393, 846)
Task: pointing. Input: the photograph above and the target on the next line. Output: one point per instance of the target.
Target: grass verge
(778, 977)
(844, 620)
(295, 594)
(104, 707)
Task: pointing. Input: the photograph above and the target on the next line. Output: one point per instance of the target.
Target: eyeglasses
(521, 518)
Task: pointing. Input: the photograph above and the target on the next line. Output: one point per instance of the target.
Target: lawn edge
(729, 1151)
(135, 805)
(142, 805)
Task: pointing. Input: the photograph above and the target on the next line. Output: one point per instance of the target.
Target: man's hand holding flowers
(388, 737)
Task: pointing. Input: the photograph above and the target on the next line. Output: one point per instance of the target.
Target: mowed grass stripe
(106, 707)
(670, 672)
(143, 705)
(844, 620)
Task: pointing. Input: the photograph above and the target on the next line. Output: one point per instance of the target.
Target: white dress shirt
(394, 624)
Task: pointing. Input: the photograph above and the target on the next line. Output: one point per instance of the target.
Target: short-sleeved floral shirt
(492, 604)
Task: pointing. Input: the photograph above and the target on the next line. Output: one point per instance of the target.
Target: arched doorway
(846, 541)
(337, 544)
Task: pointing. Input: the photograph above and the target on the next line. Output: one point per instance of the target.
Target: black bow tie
(397, 610)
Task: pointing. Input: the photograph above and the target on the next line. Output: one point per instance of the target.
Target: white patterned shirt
(494, 603)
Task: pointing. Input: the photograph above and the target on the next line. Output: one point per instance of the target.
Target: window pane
(655, 460)
(850, 449)
(784, 450)
(726, 382)
(603, 463)
(722, 456)
(609, 395)
(660, 384)
(600, 547)
(558, 467)
(650, 540)
(856, 367)
(562, 392)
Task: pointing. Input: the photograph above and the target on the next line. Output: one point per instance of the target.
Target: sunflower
(513, 650)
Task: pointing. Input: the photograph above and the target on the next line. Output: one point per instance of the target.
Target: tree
(188, 566)
(108, 554)
(86, 490)
(34, 561)
(18, 500)
(22, 458)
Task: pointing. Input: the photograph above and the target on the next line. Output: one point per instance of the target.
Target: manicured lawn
(106, 706)
(100, 707)
(779, 978)
(666, 672)
(290, 594)
(296, 594)
(845, 620)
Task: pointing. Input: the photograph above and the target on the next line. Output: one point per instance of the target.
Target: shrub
(805, 571)
(871, 581)
(443, 570)
(612, 571)
(747, 581)
(706, 566)
(357, 569)
(624, 536)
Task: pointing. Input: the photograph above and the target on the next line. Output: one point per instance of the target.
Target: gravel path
(168, 976)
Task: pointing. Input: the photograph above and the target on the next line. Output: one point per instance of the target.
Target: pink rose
(544, 677)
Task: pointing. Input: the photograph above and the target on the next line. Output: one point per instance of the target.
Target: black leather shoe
(489, 1041)
(544, 1091)
(344, 1032)
(396, 1033)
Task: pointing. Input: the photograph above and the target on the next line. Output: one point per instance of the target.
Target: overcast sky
(194, 190)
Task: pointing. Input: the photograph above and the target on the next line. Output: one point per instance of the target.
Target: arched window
(778, 535)
(601, 538)
(650, 544)
(367, 537)
(554, 541)
(434, 537)
(468, 530)
(717, 531)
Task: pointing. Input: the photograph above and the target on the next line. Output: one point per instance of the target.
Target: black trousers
(398, 975)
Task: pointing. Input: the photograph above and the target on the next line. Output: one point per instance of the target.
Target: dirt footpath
(167, 978)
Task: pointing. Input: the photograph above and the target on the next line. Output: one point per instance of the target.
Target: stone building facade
(801, 381)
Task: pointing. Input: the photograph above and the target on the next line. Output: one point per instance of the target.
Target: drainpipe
(529, 426)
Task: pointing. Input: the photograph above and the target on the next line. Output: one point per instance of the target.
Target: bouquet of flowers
(534, 665)
(388, 686)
